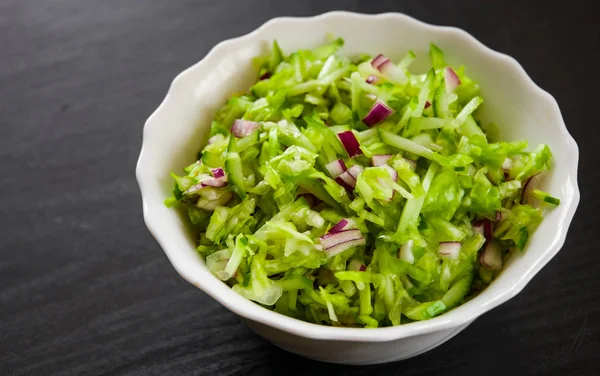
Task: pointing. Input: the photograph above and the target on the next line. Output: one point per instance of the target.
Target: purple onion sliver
(478, 227)
(491, 257)
(427, 104)
(343, 246)
(350, 143)
(332, 239)
(452, 80)
(347, 181)
(528, 188)
(265, 75)
(336, 168)
(194, 188)
(449, 250)
(372, 79)
(218, 172)
(355, 170)
(392, 72)
(378, 61)
(213, 183)
(392, 171)
(380, 159)
(341, 182)
(487, 229)
(339, 226)
(242, 128)
(378, 113)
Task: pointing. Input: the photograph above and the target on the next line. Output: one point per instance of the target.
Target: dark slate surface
(85, 290)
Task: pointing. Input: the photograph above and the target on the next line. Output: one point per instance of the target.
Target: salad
(351, 192)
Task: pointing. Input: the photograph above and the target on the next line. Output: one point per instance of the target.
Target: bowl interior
(174, 133)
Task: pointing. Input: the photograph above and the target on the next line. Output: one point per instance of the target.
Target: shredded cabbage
(265, 228)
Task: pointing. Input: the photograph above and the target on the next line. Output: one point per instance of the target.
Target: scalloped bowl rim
(454, 318)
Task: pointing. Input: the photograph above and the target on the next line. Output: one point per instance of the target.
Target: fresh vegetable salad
(351, 192)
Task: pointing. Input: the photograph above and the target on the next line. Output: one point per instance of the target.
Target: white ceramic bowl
(179, 128)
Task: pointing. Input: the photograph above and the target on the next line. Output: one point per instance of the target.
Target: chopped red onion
(449, 250)
(392, 171)
(203, 177)
(265, 75)
(347, 181)
(528, 187)
(350, 143)
(334, 238)
(499, 216)
(478, 227)
(379, 60)
(390, 70)
(372, 79)
(342, 224)
(214, 183)
(336, 168)
(427, 104)
(488, 229)
(341, 182)
(356, 266)
(218, 173)
(393, 73)
(381, 159)
(355, 170)
(242, 128)
(452, 80)
(340, 241)
(343, 246)
(206, 181)
(378, 113)
(406, 252)
(194, 189)
(491, 256)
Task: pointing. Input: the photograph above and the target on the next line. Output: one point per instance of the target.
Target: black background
(85, 290)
